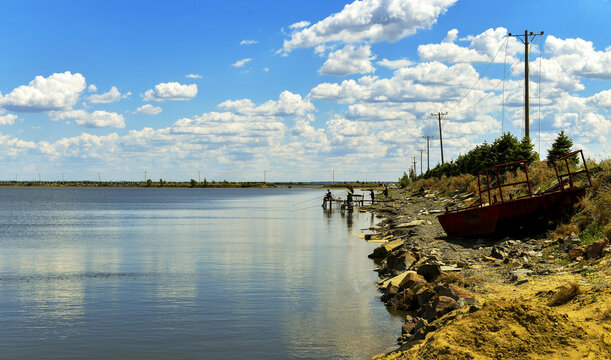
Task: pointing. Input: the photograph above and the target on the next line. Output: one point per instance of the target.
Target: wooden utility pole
(439, 115)
(428, 138)
(421, 151)
(525, 40)
(414, 157)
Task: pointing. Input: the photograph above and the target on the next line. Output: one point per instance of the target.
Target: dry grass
(606, 315)
(458, 279)
(562, 231)
(564, 294)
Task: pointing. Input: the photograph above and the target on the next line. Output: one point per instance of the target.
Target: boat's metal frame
(506, 213)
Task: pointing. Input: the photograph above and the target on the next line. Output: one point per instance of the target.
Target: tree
(404, 181)
(525, 151)
(149, 182)
(193, 183)
(562, 145)
(205, 182)
(160, 182)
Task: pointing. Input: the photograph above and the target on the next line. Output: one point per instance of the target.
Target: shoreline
(455, 293)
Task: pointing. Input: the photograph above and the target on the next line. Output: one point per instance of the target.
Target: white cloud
(170, 91)
(372, 20)
(578, 57)
(241, 63)
(59, 91)
(92, 88)
(288, 104)
(266, 69)
(96, 119)
(601, 99)
(108, 97)
(193, 76)
(482, 48)
(299, 25)
(349, 60)
(248, 42)
(395, 64)
(8, 119)
(149, 109)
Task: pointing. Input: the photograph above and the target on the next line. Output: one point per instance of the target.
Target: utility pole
(428, 138)
(62, 176)
(333, 182)
(525, 40)
(39, 179)
(414, 157)
(145, 177)
(264, 176)
(199, 176)
(421, 151)
(99, 177)
(439, 115)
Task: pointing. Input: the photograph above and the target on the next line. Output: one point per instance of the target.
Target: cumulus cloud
(193, 76)
(371, 20)
(149, 109)
(59, 91)
(349, 60)
(248, 42)
(96, 119)
(578, 57)
(108, 97)
(482, 48)
(7, 119)
(395, 64)
(241, 63)
(287, 104)
(92, 88)
(299, 25)
(170, 91)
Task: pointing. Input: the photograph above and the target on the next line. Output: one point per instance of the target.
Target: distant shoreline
(192, 184)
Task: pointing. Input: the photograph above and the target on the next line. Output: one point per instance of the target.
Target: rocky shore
(526, 296)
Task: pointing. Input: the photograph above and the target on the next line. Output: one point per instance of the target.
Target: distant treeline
(187, 184)
(505, 149)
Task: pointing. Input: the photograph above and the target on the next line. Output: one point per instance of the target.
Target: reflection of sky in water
(185, 273)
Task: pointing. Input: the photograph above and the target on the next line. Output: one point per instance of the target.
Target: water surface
(185, 274)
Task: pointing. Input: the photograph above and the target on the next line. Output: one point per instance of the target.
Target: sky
(290, 90)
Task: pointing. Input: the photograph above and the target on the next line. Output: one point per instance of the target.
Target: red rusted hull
(510, 215)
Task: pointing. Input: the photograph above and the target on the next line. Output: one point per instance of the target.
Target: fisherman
(372, 195)
(385, 191)
(349, 198)
(328, 197)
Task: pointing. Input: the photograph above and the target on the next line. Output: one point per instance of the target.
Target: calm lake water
(102, 273)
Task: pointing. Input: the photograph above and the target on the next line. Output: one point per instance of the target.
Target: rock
(390, 292)
(429, 271)
(437, 307)
(424, 295)
(384, 249)
(408, 327)
(521, 281)
(410, 224)
(498, 252)
(519, 274)
(404, 262)
(595, 249)
(396, 280)
(410, 279)
(453, 291)
(577, 252)
(462, 302)
(488, 258)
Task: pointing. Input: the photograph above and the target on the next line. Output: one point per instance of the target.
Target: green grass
(592, 233)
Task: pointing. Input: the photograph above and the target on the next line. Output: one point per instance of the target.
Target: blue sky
(231, 89)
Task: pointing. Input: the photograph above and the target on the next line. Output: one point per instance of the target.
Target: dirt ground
(532, 301)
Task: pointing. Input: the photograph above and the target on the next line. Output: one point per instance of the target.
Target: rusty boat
(499, 211)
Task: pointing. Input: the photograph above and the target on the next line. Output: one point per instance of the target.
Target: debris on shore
(526, 296)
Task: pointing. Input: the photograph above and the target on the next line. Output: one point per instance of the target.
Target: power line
(439, 115)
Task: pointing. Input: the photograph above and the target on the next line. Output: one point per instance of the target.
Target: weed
(564, 294)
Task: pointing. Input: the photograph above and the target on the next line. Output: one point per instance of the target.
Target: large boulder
(596, 248)
(424, 295)
(577, 252)
(383, 250)
(437, 307)
(429, 271)
(410, 279)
